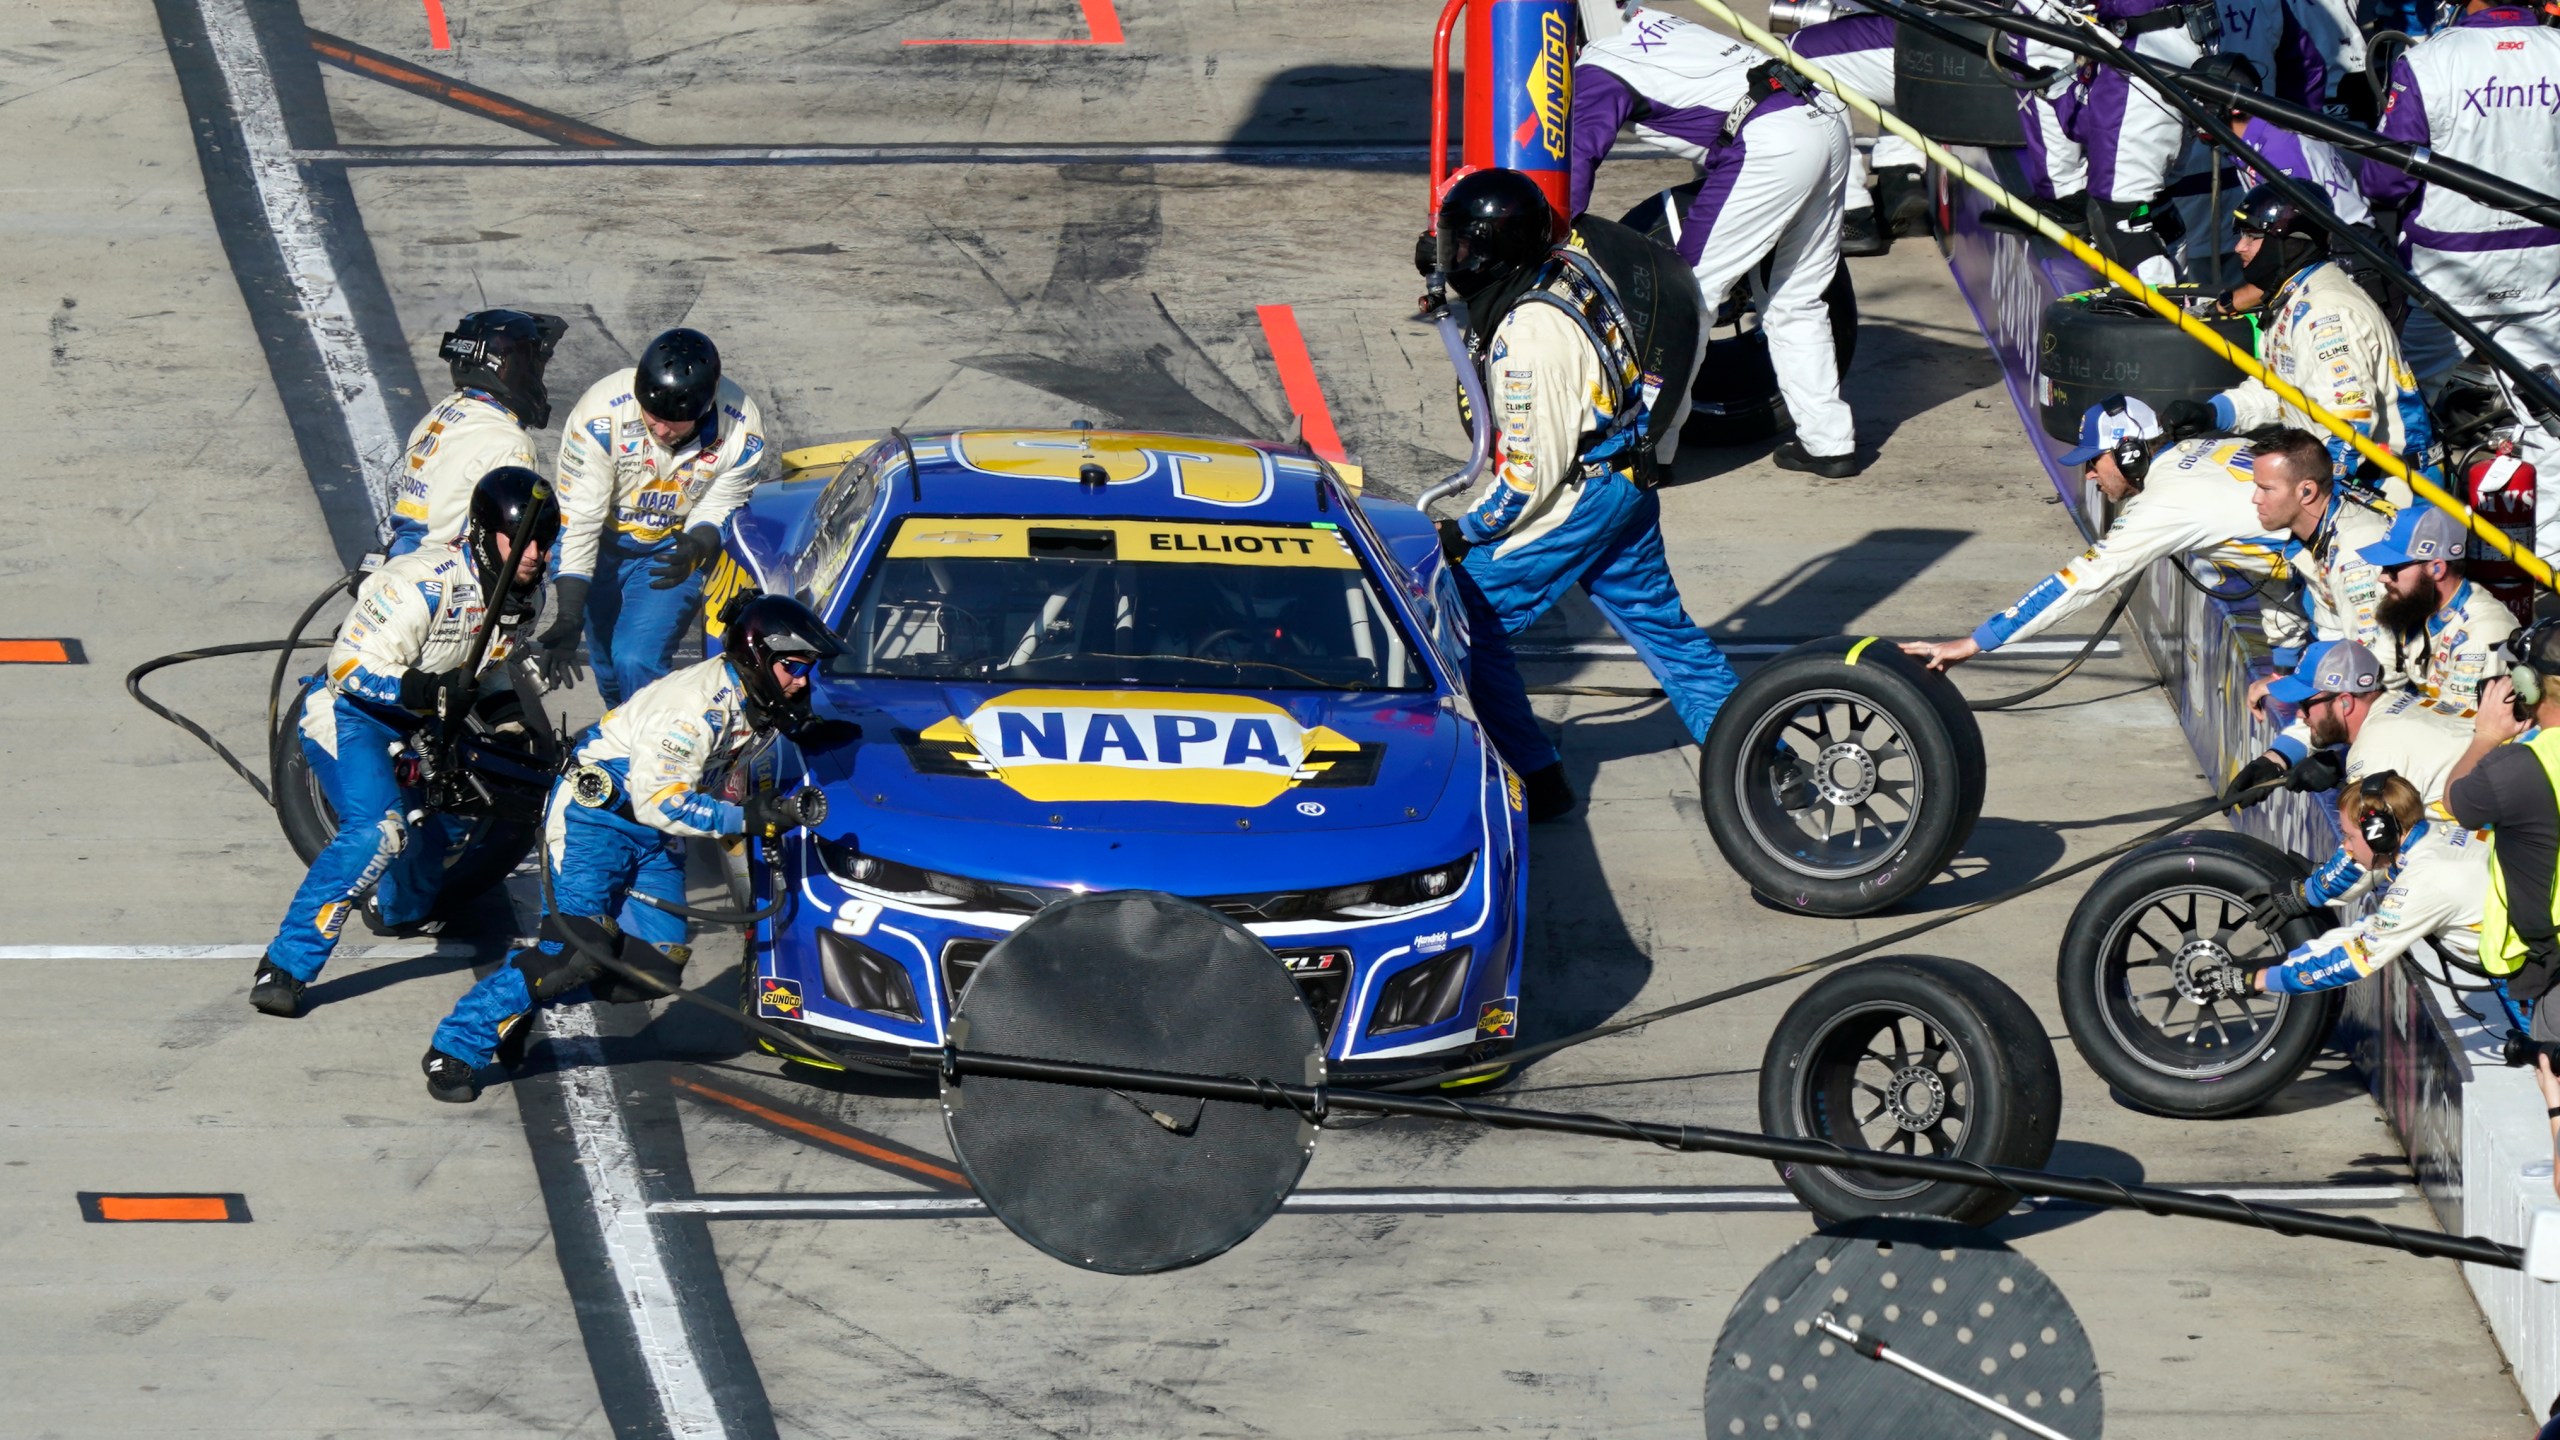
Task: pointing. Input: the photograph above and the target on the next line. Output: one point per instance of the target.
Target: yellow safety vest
(2501, 949)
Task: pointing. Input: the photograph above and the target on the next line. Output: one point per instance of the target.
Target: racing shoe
(448, 1079)
(1861, 236)
(1791, 455)
(1549, 797)
(373, 921)
(274, 992)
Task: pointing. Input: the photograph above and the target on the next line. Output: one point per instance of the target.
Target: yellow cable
(2124, 279)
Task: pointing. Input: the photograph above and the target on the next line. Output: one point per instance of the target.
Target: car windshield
(1126, 602)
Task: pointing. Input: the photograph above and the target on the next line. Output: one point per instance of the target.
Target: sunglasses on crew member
(795, 666)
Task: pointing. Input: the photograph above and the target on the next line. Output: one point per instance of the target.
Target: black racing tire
(2100, 343)
(1940, 1059)
(1866, 724)
(2125, 978)
(497, 842)
(1955, 96)
(1734, 400)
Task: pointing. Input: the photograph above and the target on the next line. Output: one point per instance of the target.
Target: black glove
(558, 642)
(692, 550)
(2317, 771)
(1454, 543)
(2225, 981)
(769, 814)
(443, 693)
(2257, 772)
(2276, 909)
(2182, 417)
(1426, 253)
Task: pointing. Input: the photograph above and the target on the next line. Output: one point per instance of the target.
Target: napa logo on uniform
(1169, 747)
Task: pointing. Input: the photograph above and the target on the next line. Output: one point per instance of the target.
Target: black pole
(2538, 392)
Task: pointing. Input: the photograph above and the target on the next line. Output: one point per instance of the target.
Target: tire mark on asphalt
(911, 1365)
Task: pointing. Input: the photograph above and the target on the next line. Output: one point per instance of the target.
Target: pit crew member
(617, 823)
(2186, 498)
(497, 358)
(2306, 158)
(1775, 155)
(2343, 701)
(1858, 51)
(2440, 631)
(2323, 334)
(396, 666)
(1590, 397)
(2484, 90)
(2132, 139)
(652, 459)
(2434, 879)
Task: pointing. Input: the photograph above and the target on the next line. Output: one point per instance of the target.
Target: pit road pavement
(414, 1268)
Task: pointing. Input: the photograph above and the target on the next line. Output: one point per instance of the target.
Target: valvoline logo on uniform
(1170, 747)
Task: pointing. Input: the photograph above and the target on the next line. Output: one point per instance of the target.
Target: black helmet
(500, 504)
(2295, 234)
(1492, 224)
(678, 378)
(503, 352)
(766, 628)
(2230, 70)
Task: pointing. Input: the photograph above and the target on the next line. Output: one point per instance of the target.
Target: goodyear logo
(1550, 88)
(1173, 748)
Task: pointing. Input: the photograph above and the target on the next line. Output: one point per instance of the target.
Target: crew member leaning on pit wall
(2484, 91)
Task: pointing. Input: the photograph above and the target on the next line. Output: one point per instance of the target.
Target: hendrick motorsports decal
(1179, 748)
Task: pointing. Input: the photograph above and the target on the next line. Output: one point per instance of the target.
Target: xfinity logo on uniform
(2490, 95)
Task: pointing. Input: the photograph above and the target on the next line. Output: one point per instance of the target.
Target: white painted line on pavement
(391, 950)
(289, 209)
(1619, 649)
(622, 1214)
(1741, 1198)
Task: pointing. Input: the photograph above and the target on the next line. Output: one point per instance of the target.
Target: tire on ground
(2101, 344)
(1734, 400)
(495, 844)
(1915, 1055)
(1955, 96)
(1897, 764)
(2130, 941)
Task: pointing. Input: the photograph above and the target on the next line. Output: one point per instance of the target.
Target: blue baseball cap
(2420, 533)
(2332, 667)
(2108, 421)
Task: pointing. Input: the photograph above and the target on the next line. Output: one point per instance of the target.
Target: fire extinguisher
(2500, 487)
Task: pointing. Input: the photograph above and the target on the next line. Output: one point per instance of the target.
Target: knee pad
(564, 961)
(664, 966)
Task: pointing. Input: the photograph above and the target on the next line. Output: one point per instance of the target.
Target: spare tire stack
(1954, 96)
(2101, 343)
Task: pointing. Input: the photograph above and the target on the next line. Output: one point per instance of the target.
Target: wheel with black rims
(2135, 968)
(514, 762)
(1841, 776)
(1914, 1056)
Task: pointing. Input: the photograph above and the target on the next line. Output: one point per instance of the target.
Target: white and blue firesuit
(1561, 508)
(2195, 505)
(416, 616)
(623, 500)
(2485, 91)
(2434, 889)
(1775, 168)
(467, 435)
(2341, 596)
(2324, 335)
(657, 750)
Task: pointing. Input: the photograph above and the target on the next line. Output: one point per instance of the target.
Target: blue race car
(1086, 660)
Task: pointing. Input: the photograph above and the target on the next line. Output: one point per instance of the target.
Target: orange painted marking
(820, 1133)
(437, 35)
(1298, 380)
(200, 1209)
(1099, 17)
(39, 652)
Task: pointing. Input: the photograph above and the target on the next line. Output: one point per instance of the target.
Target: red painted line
(1099, 17)
(41, 652)
(97, 1208)
(444, 90)
(1298, 380)
(437, 35)
(824, 1135)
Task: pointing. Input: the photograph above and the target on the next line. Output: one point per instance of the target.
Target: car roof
(1148, 475)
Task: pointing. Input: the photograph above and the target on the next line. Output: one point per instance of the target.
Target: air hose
(284, 649)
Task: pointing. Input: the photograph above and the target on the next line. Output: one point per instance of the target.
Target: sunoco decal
(1175, 748)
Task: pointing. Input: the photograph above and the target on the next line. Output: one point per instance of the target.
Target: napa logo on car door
(1171, 747)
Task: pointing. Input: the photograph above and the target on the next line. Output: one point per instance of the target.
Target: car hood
(1191, 761)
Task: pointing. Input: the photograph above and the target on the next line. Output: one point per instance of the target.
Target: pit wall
(2470, 1125)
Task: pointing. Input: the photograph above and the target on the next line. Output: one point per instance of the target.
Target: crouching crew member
(396, 667)
(617, 823)
(1587, 349)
